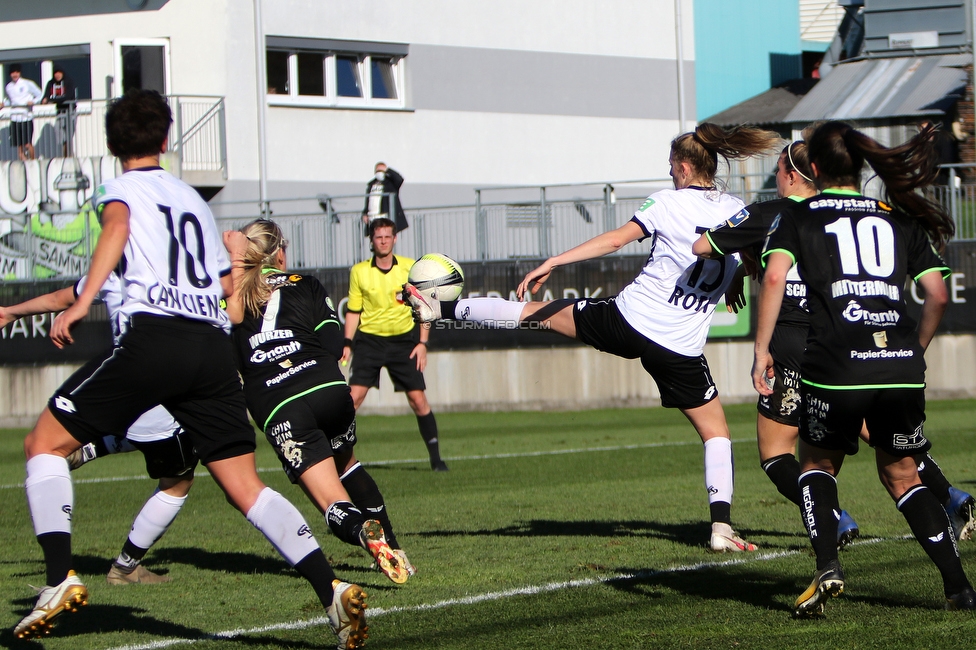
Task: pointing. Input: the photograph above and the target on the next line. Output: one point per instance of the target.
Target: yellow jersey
(373, 294)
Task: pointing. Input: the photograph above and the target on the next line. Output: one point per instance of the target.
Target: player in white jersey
(174, 351)
(662, 317)
(167, 450)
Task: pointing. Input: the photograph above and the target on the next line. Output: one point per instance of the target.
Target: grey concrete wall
(536, 379)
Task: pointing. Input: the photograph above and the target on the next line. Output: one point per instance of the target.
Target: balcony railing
(197, 137)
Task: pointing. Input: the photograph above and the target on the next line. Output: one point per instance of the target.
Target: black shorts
(21, 133)
(786, 346)
(187, 366)
(171, 457)
(894, 416)
(313, 428)
(684, 382)
(371, 352)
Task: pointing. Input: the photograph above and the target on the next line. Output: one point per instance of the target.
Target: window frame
(330, 51)
(117, 46)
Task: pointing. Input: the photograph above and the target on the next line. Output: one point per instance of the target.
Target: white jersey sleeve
(672, 299)
(174, 258)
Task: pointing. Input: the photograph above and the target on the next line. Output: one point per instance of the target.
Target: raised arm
(108, 252)
(608, 242)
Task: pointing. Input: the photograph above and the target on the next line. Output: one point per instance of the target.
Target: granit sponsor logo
(276, 353)
(855, 313)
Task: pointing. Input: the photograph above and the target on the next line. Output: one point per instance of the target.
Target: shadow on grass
(102, 619)
(693, 534)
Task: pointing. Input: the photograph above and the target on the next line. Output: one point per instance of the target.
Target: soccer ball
(437, 277)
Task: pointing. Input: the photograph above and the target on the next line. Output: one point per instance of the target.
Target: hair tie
(789, 154)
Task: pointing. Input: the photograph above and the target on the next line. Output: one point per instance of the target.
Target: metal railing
(328, 231)
(197, 136)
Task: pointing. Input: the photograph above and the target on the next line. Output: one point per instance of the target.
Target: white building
(453, 94)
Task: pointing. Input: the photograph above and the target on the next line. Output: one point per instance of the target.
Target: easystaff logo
(282, 280)
(849, 205)
(855, 314)
(274, 354)
(273, 335)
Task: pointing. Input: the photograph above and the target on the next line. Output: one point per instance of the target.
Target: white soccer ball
(437, 277)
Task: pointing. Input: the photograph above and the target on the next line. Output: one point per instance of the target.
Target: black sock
(428, 431)
(447, 309)
(57, 556)
(130, 557)
(784, 472)
(315, 568)
(366, 495)
(721, 512)
(932, 477)
(345, 520)
(930, 525)
(820, 510)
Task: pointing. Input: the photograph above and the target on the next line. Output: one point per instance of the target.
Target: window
(142, 63)
(320, 72)
(37, 64)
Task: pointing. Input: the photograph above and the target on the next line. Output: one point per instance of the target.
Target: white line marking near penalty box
(415, 461)
(475, 599)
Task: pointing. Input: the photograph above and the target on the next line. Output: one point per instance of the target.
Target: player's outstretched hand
(735, 295)
(762, 373)
(61, 328)
(236, 243)
(5, 317)
(534, 279)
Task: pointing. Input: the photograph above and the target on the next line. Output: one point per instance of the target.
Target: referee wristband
(347, 343)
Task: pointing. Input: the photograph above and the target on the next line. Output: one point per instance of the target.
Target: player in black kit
(289, 341)
(863, 363)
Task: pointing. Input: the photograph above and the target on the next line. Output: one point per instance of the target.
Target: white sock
(283, 525)
(497, 313)
(718, 469)
(154, 518)
(50, 495)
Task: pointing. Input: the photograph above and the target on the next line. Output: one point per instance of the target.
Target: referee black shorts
(187, 366)
(684, 382)
(371, 353)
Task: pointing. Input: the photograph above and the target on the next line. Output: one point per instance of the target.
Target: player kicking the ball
(174, 351)
(662, 317)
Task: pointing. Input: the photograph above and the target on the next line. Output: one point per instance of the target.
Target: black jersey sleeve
(922, 257)
(326, 322)
(744, 231)
(782, 238)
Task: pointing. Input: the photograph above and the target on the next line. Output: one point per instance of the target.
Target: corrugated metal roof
(881, 88)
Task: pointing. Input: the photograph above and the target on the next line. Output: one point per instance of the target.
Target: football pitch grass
(552, 530)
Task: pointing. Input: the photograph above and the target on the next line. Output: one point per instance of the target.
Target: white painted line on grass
(486, 597)
(415, 461)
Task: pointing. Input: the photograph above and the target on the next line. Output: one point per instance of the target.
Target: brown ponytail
(839, 152)
(702, 147)
(264, 240)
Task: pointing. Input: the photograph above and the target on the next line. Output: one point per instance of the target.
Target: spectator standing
(61, 92)
(387, 335)
(22, 94)
(385, 184)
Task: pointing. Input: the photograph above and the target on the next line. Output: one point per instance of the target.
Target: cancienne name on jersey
(174, 258)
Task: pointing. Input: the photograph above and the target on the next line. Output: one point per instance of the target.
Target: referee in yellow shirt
(387, 335)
